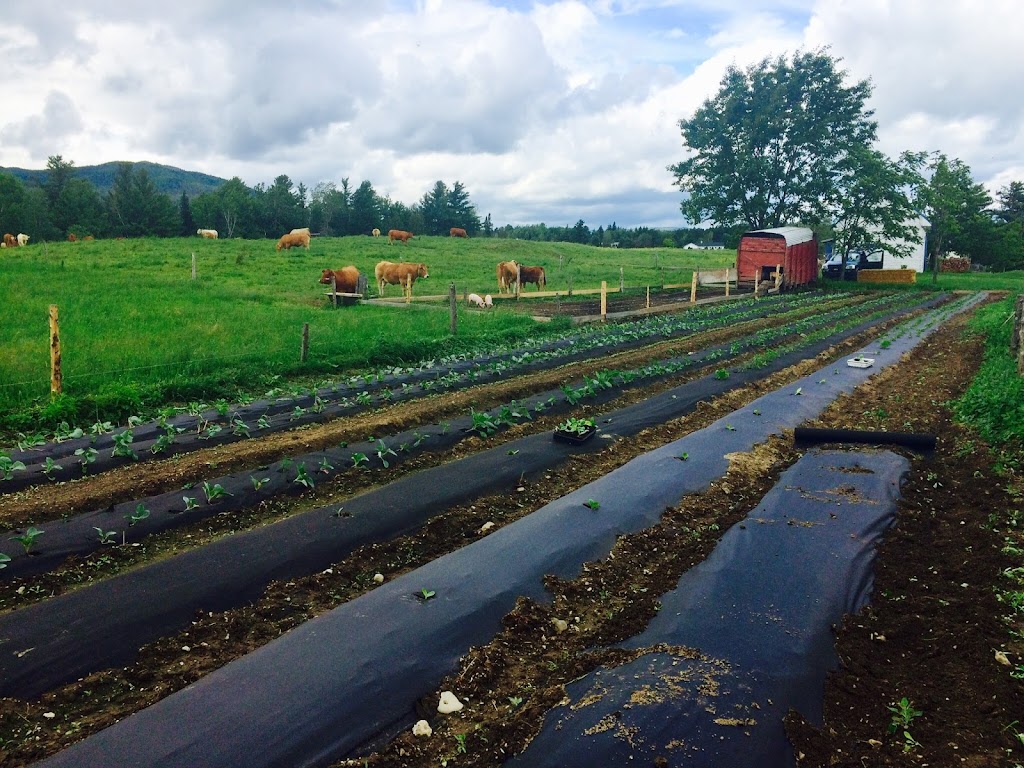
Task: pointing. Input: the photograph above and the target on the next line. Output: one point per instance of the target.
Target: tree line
(65, 204)
(787, 142)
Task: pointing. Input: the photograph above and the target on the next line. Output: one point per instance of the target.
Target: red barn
(795, 248)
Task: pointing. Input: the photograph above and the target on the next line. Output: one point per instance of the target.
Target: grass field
(137, 331)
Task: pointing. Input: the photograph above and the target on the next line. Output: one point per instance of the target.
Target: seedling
(513, 451)
(592, 504)
(576, 426)
(101, 428)
(88, 456)
(211, 431)
(483, 423)
(27, 442)
(903, 714)
(420, 437)
(426, 594)
(757, 411)
(298, 412)
(106, 537)
(162, 443)
(4, 559)
(885, 344)
(515, 701)
(302, 476)
(262, 423)
(325, 466)
(123, 445)
(28, 538)
(460, 739)
(359, 458)
(683, 456)
(213, 491)
(382, 451)
(364, 398)
(799, 391)
(730, 427)
(9, 467)
(239, 428)
(258, 483)
(721, 374)
(190, 502)
(140, 513)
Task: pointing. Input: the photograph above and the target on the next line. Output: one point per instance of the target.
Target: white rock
(378, 578)
(422, 728)
(448, 703)
(486, 527)
(560, 625)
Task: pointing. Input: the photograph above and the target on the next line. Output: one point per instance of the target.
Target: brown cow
(398, 234)
(403, 274)
(532, 275)
(346, 279)
(10, 241)
(290, 241)
(457, 232)
(508, 276)
(72, 238)
(88, 238)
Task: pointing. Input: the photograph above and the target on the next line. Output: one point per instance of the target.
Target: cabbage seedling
(28, 538)
(257, 484)
(302, 476)
(213, 491)
(426, 594)
(140, 513)
(4, 559)
(9, 467)
(592, 504)
(106, 537)
(190, 502)
(359, 458)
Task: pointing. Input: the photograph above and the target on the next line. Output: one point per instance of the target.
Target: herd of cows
(10, 241)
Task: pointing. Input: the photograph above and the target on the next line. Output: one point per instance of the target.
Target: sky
(549, 111)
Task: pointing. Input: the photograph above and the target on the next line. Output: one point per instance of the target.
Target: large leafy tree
(365, 210)
(955, 206)
(1011, 203)
(874, 200)
(766, 149)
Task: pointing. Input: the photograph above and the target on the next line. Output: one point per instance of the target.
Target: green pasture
(137, 331)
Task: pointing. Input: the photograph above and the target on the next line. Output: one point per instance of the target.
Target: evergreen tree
(188, 224)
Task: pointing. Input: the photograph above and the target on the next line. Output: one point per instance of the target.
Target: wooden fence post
(334, 290)
(453, 308)
(408, 289)
(193, 266)
(56, 376)
(304, 352)
(622, 280)
(757, 280)
(727, 272)
(693, 288)
(648, 297)
(604, 300)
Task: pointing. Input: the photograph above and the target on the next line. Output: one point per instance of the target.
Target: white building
(917, 257)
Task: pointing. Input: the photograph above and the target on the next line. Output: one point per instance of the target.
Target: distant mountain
(168, 179)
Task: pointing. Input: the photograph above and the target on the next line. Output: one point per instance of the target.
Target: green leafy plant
(190, 502)
(359, 459)
(903, 715)
(106, 537)
(28, 538)
(460, 746)
(515, 701)
(592, 504)
(730, 427)
(9, 467)
(140, 513)
(325, 465)
(87, 456)
(721, 374)
(483, 423)
(383, 451)
(302, 476)
(575, 426)
(683, 456)
(258, 483)
(262, 423)
(239, 427)
(4, 559)
(214, 491)
(123, 445)
(426, 594)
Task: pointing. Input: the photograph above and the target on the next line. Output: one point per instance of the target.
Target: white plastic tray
(860, 362)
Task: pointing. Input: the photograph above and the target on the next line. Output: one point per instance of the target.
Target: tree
(81, 209)
(365, 210)
(1011, 203)
(955, 208)
(188, 224)
(766, 148)
(434, 208)
(488, 227)
(461, 212)
(135, 206)
(873, 203)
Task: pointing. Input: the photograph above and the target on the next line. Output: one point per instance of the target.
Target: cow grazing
(476, 300)
(399, 234)
(302, 230)
(88, 238)
(10, 241)
(457, 232)
(376, 232)
(403, 274)
(22, 239)
(346, 279)
(209, 234)
(532, 275)
(72, 238)
(508, 276)
(290, 241)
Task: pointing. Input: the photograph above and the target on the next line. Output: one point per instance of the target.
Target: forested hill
(168, 179)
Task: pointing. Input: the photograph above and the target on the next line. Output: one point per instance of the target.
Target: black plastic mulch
(84, 533)
(760, 611)
(340, 681)
(326, 403)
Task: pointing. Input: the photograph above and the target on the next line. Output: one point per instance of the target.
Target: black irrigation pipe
(124, 523)
(105, 623)
(352, 676)
(806, 436)
(323, 405)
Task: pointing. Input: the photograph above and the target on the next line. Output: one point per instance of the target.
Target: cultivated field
(316, 565)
